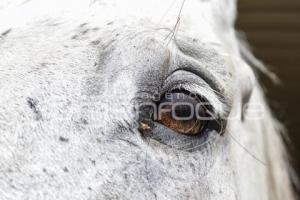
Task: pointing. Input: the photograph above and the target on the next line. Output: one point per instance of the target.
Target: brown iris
(177, 111)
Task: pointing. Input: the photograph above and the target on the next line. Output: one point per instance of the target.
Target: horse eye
(181, 112)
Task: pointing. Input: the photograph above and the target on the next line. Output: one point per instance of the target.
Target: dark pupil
(185, 103)
(183, 111)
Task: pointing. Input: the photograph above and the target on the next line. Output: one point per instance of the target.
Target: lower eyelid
(177, 141)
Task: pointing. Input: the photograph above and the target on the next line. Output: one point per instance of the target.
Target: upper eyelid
(208, 62)
(198, 87)
(205, 93)
(203, 74)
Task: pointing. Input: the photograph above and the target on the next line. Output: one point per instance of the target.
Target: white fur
(79, 63)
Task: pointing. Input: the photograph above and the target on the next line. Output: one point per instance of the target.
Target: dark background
(272, 28)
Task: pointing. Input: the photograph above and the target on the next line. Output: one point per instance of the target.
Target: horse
(135, 99)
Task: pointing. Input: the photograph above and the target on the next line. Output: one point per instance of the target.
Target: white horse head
(77, 107)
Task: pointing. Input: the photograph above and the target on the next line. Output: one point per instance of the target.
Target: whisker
(172, 33)
(245, 149)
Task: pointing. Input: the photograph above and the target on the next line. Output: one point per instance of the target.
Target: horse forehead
(106, 20)
(165, 12)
